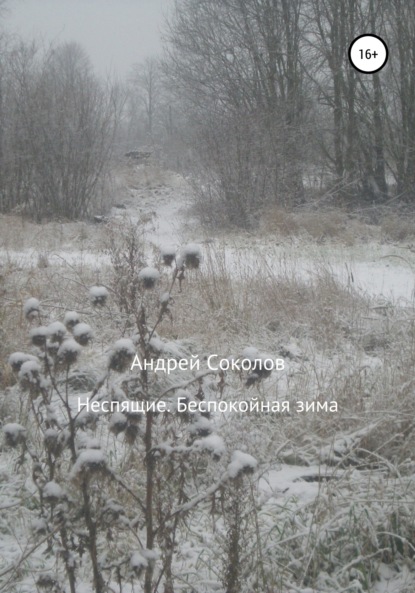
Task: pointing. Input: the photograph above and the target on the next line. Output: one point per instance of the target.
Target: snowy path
(381, 270)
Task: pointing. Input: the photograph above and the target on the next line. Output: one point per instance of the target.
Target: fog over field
(115, 33)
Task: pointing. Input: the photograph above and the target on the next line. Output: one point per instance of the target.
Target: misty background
(256, 102)
(114, 33)
(238, 194)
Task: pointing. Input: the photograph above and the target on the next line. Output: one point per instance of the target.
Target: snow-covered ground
(383, 270)
(306, 493)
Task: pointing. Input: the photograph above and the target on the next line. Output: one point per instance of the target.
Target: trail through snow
(382, 270)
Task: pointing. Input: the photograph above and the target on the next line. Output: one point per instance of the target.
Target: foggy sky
(115, 33)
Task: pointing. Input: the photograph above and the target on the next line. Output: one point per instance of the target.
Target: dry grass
(245, 298)
(147, 176)
(348, 351)
(398, 228)
(229, 304)
(325, 225)
(19, 234)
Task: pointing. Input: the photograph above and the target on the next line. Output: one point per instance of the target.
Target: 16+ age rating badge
(368, 53)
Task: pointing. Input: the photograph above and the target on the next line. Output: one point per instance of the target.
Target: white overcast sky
(115, 33)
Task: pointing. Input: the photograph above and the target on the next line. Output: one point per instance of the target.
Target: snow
(124, 345)
(87, 442)
(98, 291)
(71, 318)
(89, 459)
(31, 306)
(50, 434)
(83, 333)
(118, 421)
(191, 256)
(82, 329)
(287, 482)
(56, 330)
(30, 371)
(212, 443)
(69, 346)
(150, 555)
(121, 355)
(39, 526)
(392, 581)
(39, 334)
(137, 561)
(202, 426)
(149, 273)
(168, 250)
(98, 295)
(241, 462)
(14, 430)
(52, 490)
(286, 486)
(250, 353)
(169, 348)
(192, 249)
(377, 269)
(18, 358)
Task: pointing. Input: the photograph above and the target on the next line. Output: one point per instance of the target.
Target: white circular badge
(368, 53)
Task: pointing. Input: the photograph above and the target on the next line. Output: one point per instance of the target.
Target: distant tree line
(271, 101)
(57, 129)
(256, 98)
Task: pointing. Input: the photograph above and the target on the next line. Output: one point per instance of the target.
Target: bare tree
(145, 87)
(236, 67)
(354, 143)
(61, 125)
(400, 123)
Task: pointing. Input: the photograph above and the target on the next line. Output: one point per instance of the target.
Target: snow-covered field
(328, 497)
(163, 206)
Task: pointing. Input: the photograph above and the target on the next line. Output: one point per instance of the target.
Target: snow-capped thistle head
(138, 563)
(148, 277)
(86, 420)
(14, 434)
(191, 256)
(98, 295)
(250, 353)
(71, 319)
(69, 351)
(39, 527)
(241, 463)
(259, 368)
(122, 355)
(38, 335)
(112, 511)
(18, 358)
(118, 423)
(200, 427)
(54, 441)
(165, 298)
(132, 430)
(84, 441)
(53, 493)
(168, 254)
(165, 301)
(31, 308)
(52, 348)
(82, 333)
(212, 444)
(56, 331)
(48, 583)
(89, 461)
(30, 374)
